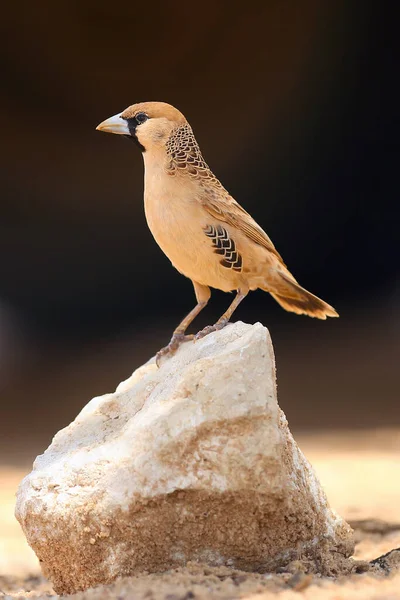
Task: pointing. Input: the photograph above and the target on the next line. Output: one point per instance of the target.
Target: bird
(208, 236)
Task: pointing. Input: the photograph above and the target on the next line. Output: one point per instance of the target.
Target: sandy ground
(360, 472)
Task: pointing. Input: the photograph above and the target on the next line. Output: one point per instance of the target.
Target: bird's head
(148, 123)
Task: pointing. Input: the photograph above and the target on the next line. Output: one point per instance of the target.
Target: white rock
(190, 462)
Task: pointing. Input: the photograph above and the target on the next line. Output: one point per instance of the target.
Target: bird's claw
(210, 329)
(176, 340)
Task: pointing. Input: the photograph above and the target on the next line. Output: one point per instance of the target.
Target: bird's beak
(115, 124)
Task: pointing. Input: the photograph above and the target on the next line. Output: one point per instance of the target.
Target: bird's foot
(210, 328)
(176, 340)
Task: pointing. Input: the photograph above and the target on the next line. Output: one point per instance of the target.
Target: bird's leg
(202, 295)
(224, 320)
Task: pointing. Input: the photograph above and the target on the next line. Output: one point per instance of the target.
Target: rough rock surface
(190, 462)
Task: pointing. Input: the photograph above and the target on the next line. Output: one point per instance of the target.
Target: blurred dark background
(294, 105)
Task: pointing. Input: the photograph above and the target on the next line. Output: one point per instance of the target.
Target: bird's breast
(178, 223)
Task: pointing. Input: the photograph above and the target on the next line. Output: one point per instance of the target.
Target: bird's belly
(178, 229)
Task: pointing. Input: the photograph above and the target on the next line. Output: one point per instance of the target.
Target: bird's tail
(294, 298)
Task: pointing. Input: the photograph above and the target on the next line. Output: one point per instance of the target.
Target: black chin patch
(132, 125)
(133, 138)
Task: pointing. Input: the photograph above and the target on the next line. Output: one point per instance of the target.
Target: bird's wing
(229, 211)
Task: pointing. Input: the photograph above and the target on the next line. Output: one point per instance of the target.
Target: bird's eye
(141, 117)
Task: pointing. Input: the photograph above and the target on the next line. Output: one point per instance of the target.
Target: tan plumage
(205, 233)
